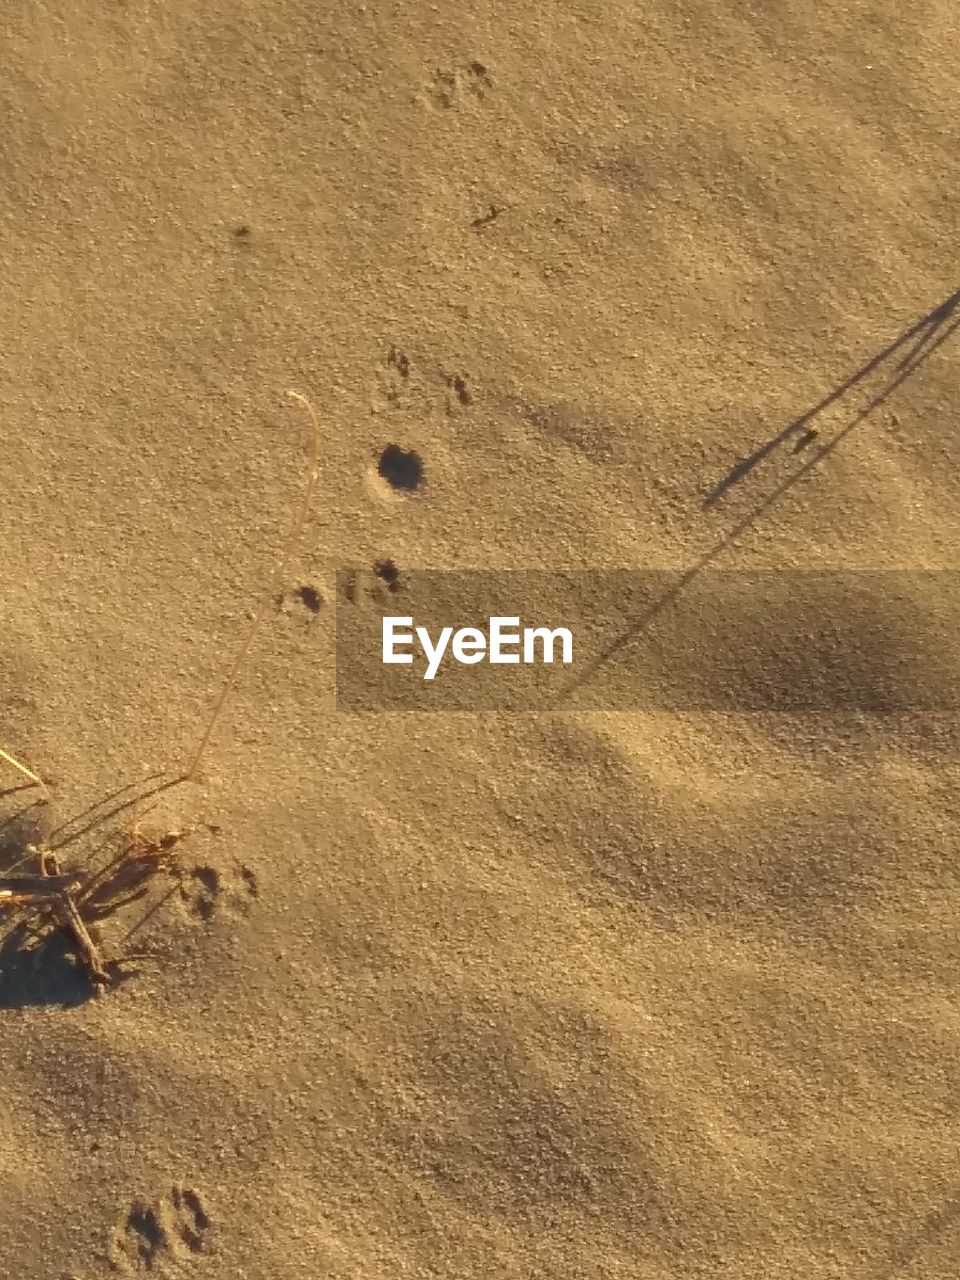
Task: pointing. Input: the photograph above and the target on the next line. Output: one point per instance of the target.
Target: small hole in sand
(401, 469)
(309, 597)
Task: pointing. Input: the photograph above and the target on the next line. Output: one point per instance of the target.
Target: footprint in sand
(409, 396)
(207, 891)
(370, 589)
(393, 380)
(156, 1236)
(452, 87)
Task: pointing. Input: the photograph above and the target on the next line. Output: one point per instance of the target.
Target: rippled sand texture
(468, 997)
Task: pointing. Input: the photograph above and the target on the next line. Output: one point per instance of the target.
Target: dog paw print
(374, 588)
(155, 1236)
(450, 87)
(408, 398)
(303, 602)
(394, 376)
(207, 891)
(389, 575)
(459, 393)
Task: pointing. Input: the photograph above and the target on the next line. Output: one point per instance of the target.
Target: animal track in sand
(303, 602)
(387, 572)
(450, 87)
(363, 588)
(156, 1235)
(459, 390)
(206, 891)
(404, 390)
(394, 377)
(400, 384)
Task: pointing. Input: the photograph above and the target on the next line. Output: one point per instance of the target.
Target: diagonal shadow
(930, 333)
(12, 791)
(111, 806)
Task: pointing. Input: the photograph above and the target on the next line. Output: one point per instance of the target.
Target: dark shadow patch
(402, 469)
(40, 972)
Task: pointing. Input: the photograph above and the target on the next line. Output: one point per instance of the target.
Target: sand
(634, 995)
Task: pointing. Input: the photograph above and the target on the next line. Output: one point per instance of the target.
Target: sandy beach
(625, 995)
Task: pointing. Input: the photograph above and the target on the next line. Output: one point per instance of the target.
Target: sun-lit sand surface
(632, 996)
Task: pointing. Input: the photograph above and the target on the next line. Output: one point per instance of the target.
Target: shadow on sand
(929, 333)
(920, 341)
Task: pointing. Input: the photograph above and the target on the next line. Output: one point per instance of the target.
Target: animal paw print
(356, 587)
(449, 88)
(206, 891)
(303, 602)
(460, 395)
(157, 1235)
(395, 376)
(399, 384)
(400, 388)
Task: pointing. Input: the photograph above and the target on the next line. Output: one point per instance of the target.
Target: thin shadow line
(12, 791)
(930, 339)
(905, 368)
(54, 844)
(98, 804)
